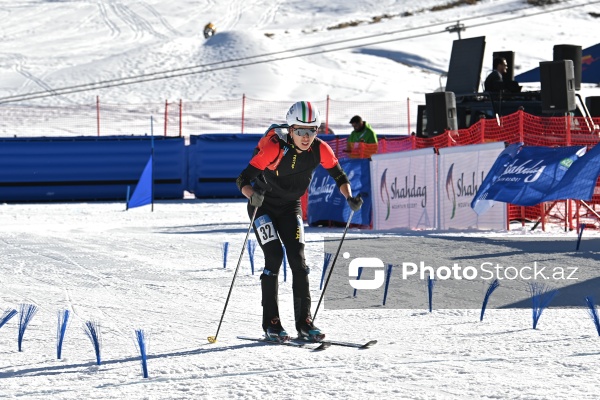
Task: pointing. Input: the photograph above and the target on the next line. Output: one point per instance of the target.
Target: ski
(366, 345)
(357, 345)
(292, 342)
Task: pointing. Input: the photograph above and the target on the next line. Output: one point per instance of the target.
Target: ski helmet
(303, 113)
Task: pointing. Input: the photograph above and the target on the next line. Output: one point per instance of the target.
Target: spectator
(362, 133)
(494, 82)
(324, 130)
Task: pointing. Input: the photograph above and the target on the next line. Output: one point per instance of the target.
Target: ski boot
(275, 332)
(309, 332)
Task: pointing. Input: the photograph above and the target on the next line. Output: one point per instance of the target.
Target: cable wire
(221, 65)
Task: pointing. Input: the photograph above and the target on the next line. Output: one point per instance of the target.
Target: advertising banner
(326, 203)
(461, 172)
(403, 186)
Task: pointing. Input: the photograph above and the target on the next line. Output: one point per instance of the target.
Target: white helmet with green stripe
(303, 113)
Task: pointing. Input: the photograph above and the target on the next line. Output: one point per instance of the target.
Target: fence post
(243, 110)
(568, 125)
(180, 117)
(98, 115)
(482, 130)
(327, 116)
(166, 114)
(521, 126)
(568, 210)
(408, 114)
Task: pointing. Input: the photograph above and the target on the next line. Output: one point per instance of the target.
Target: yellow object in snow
(209, 30)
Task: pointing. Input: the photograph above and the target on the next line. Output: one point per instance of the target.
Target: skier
(281, 169)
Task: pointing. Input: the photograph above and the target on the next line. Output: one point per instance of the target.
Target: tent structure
(590, 68)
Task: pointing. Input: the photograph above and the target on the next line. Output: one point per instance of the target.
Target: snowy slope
(55, 44)
(163, 271)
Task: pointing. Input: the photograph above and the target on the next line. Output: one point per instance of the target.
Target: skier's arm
(268, 151)
(346, 190)
(330, 162)
(244, 181)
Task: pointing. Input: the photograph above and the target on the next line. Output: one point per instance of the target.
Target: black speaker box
(593, 105)
(441, 112)
(510, 61)
(573, 53)
(558, 86)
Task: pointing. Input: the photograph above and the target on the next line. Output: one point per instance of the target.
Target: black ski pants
(276, 224)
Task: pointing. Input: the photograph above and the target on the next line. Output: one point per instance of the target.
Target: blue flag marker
(142, 194)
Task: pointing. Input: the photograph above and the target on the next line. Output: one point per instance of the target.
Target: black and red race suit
(288, 173)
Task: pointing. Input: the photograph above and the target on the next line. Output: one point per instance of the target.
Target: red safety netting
(518, 127)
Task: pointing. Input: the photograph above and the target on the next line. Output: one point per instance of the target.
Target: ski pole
(333, 265)
(213, 339)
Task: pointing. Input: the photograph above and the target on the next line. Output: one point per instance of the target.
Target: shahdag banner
(403, 188)
(529, 175)
(461, 172)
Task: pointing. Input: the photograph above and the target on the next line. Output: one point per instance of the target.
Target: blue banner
(326, 203)
(526, 176)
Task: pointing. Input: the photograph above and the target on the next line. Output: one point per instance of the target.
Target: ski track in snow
(162, 272)
(114, 29)
(160, 18)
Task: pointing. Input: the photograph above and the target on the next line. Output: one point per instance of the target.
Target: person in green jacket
(362, 133)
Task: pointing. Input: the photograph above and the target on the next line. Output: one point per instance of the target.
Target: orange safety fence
(518, 127)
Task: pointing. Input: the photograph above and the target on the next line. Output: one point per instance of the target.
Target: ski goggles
(302, 132)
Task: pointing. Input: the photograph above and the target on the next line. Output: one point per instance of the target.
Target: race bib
(265, 229)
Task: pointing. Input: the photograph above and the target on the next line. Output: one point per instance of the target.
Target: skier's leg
(291, 231)
(268, 240)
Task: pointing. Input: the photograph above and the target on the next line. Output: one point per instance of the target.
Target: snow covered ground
(348, 49)
(163, 272)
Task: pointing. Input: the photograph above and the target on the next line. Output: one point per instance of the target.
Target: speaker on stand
(557, 79)
(441, 112)
(573, 53)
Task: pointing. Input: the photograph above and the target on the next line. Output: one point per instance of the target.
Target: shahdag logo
(385, 198)
(530, 172)
(450, 185)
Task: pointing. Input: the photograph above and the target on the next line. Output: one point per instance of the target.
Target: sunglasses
(310, 132)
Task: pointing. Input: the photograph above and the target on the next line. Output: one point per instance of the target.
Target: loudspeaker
(441, 112)
(510, 60)
(573, 53)
(593, 105)
(558, 86)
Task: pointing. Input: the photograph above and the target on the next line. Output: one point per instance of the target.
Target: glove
(355, 203)
(256, 199)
